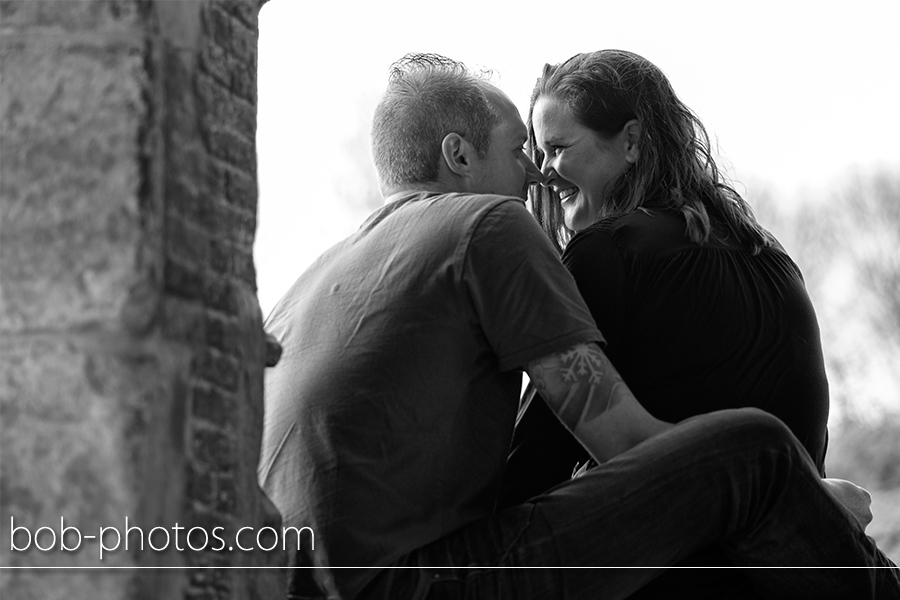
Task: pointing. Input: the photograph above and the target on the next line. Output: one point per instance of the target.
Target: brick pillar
(132, 348)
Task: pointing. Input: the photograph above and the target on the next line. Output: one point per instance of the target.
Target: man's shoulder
(405, 197)
(460, 211)
(484, 202)
(444, 207)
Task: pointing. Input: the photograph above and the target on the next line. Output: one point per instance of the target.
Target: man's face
(505, 169)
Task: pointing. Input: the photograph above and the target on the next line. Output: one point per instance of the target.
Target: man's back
(389, 416)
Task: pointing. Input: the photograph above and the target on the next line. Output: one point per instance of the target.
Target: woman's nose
(548, 173)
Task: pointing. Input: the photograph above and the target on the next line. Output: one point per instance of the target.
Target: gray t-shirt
(390, 414)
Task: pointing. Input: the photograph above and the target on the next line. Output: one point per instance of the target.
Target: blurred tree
(872, 207)
(809, 233)
(847, 244)
(867, 454)
(869, 209)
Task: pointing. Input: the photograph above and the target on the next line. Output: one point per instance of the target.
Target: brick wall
(132, 345)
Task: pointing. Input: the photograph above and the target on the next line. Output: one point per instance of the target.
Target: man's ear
(457, 154)
(632, 141)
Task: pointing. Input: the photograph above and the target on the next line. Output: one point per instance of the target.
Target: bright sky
(796, 93)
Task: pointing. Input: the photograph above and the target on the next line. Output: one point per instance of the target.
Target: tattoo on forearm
(586, 387)
(582, 361)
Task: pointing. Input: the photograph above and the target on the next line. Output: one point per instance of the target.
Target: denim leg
(738, 477)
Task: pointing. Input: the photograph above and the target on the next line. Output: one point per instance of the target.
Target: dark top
(691, 329)
(389, 416)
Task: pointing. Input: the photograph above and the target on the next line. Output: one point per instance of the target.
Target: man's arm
(587, 394)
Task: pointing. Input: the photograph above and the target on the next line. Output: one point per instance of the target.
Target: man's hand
(273, 350)
(852, 497)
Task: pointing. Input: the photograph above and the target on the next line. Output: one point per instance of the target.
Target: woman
(701, 308)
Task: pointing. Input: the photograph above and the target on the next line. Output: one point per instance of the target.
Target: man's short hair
(428, 96)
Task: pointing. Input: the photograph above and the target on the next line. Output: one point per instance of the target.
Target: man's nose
(532, 173)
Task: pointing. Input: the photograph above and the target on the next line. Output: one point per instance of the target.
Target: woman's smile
(566, 193)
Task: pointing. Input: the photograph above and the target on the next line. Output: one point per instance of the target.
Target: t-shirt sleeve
(526, 302)
(596, 264)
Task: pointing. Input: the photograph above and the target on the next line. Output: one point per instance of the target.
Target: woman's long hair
(675, 169)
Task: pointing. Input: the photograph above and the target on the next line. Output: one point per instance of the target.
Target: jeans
(737, 477)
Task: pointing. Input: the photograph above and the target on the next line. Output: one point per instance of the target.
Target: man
(389, 416)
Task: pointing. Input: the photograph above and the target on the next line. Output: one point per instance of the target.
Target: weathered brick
(201, 486)
(214, 60)
(70, 177)
(227, 144)
(238, 226)
(216, 24)
(55, 17)
(187, 242)
(211, 559)
(234, 261)
(24, 392)
(185, 198)
(207, 519)
(246, 11)
(223, 107)
(213, 406)
(222, 333)
(220, 294)
(77, 425)
(184, 320)
(214, 449)
(217, 176)
(186, 281)
(195, 593)
(242, 191)
(223, 582)
(217, 368)
(186, 154)
(229, 32)
(108, 186)
(221, 257)
(236, 73)
(210, 583)
(225, 494)
(243, 79)
(244, 268)
(71, 584)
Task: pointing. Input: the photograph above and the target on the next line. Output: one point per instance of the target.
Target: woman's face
(579, 164)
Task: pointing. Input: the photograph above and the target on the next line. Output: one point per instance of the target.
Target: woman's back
(691, 329)
(695, 328)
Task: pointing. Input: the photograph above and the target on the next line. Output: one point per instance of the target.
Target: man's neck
(395, 192)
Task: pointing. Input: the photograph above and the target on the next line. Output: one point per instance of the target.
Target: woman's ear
(456, 151)
(632, 141)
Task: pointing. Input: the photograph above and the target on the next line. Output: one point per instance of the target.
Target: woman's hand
(852, 497)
